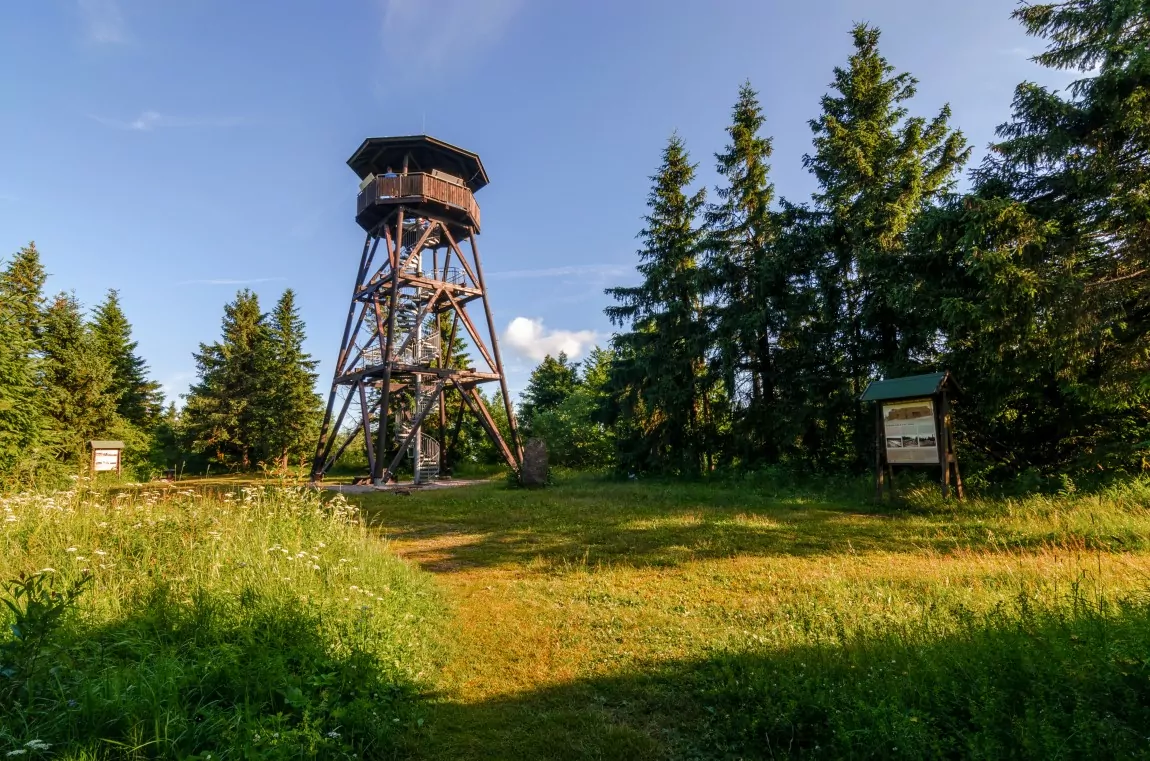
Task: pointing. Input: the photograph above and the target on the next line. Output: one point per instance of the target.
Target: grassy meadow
(600, 620)
(591, 620)
(181, 623)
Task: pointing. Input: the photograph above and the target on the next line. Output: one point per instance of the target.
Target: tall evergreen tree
(21, 390)
(745, 282)
(293, 417)
(659, 377)
(551, 382)
(79, 396)
(878, 169)
(20, 419)
(138, 399)
(1047, 289)
(22, 280)
(227, 415)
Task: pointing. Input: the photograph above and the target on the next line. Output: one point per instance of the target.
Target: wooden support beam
(497, 367)
(317, 469)
(334, 432)
(417, 247)
(365, 411)
(462, 259)
(474, 333)
(480, 408)
(423, 310)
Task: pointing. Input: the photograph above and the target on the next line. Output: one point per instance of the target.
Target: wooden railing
(421, 186)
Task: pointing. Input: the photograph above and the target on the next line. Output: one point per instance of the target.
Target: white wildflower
(70, 549)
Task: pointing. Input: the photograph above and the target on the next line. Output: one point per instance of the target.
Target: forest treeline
(758, 321)
(71, 377)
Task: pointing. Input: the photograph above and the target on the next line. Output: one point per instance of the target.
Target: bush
(264, 624)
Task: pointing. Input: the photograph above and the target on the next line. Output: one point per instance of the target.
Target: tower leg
(512, 425)
(369, 245)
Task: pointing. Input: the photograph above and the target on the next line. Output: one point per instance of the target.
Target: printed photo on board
(910, 432)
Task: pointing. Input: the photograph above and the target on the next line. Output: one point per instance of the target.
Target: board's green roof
(101, 444)
(904, 388)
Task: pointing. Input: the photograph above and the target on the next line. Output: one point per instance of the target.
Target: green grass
(592, 620)
(599, 620)
(253, 624)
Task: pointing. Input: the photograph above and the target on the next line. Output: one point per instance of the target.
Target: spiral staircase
(419, 346)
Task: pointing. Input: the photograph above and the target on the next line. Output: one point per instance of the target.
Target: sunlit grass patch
(262, 622)
(609, 620)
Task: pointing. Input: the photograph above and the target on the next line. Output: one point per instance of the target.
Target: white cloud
(150, 120)
(436, 32)
(578, 270)
(230, 281)
(104, 22)
(529, 338)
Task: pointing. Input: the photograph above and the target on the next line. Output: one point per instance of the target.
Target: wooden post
(942, 440)
(953, 456)
(880, 448)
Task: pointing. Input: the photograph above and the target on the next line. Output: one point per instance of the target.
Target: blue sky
(179, 150)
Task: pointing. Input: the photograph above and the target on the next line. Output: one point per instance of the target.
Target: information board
(105, 459)
(910, 432)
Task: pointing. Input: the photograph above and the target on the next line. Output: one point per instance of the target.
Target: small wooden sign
(913, 426)
(107, 456)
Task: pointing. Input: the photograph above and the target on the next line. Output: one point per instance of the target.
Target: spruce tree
(22, 280)
(79, 397)
(1047, 294)
(551, 382)
(227, 413)
(744, 281)
(20, 418)
(659, 377)
(878, 168)
(21, 388)
(138, 399)
(294, 407)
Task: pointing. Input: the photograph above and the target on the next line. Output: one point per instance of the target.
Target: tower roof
(378, 154)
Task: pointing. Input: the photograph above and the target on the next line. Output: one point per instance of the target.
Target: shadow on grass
(211, 677)
(1073, 683)
(589, 521)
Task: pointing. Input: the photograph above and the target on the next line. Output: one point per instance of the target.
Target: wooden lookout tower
(418, 274)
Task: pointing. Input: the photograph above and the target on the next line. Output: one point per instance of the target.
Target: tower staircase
(427, 448)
